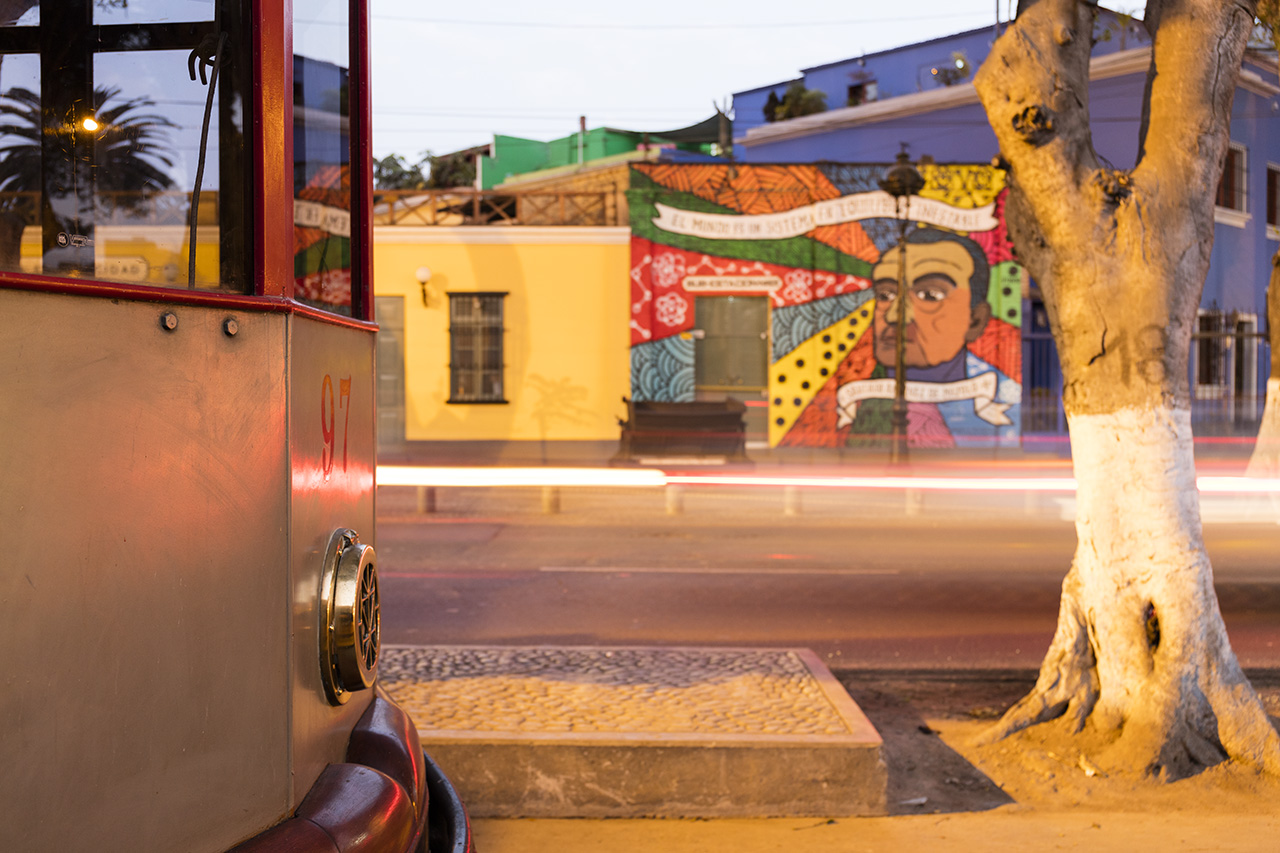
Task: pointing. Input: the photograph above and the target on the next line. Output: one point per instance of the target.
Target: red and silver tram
(187, 437)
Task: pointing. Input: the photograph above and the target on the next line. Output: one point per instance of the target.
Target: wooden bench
(698, 429)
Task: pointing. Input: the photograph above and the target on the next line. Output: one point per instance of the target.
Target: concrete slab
(640, 731)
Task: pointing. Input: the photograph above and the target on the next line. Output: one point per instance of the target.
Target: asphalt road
(873, 581)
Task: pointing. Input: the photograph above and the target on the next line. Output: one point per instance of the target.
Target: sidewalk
(1009, 828)
(947, 795)
(640, 731)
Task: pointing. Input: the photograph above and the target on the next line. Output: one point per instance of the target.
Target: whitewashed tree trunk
(1265, 461)
(1140, 655)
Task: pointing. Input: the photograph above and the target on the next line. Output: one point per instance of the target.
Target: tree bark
(1140, 655)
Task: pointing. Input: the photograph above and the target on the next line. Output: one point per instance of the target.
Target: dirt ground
(928, 722)
(1032, 791)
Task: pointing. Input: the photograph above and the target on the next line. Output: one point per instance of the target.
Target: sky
(450, 76)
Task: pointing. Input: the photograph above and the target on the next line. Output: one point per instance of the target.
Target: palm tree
(130, 160)
(131, 157)
(799, 101)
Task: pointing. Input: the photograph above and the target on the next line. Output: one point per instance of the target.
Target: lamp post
(901, 181)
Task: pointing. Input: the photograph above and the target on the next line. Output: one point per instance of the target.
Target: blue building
(922, 95)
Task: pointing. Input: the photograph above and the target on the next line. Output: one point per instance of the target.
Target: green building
(513, 155)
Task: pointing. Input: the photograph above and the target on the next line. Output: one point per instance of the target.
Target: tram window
(144, 192)
(106, 156)
(151, 11)
(322, 156)
(19, 160)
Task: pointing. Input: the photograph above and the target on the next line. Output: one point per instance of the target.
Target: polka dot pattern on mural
(796, 377)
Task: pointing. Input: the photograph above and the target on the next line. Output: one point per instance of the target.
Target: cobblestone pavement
(612, 691)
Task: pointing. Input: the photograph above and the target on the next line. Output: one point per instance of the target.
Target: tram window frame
(67, 43)
(477, 347)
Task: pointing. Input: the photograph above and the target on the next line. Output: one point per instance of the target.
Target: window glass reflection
(20, 160)
(151, 11)
(19, 13)
(122, 151)
(322, 161)
(146, 156)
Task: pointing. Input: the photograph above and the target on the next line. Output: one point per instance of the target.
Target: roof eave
(1133, 61)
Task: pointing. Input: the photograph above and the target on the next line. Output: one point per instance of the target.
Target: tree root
(1187, 716)
(1068, 682)
(1243, 727)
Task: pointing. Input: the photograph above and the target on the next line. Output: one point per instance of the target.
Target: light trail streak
(705, 570)
(958, 484)
(409, 475)
(477, 477)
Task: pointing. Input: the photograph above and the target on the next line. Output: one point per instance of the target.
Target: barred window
(1210, 344)
(475, 347)
(1232, 193)
(1225, 368)
(1273, 196)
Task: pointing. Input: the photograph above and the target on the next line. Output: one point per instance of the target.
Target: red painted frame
(273, 183)
(361, 136)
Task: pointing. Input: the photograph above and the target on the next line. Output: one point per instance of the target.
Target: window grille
(1273, 191)
(475, 348)
(1225, 371)
(1232, 188)
(1210, 343)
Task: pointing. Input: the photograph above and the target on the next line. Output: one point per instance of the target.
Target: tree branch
(1035, 89)
(1195, 61)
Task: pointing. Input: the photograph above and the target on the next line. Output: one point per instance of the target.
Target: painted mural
(820, 241)
(322, 239)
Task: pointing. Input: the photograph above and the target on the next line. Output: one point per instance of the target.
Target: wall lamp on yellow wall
(423, 275)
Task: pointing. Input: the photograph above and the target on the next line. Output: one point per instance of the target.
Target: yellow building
(502, 334)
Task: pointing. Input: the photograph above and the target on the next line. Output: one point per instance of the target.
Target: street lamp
(901, 181)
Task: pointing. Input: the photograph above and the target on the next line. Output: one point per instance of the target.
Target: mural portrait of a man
(946, 308)
(949, 390)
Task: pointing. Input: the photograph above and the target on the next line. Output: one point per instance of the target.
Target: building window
(862, 93)
(1232, 188)
(1273, 189)
(1210, 345)
(1225, 366)
(475, 347)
